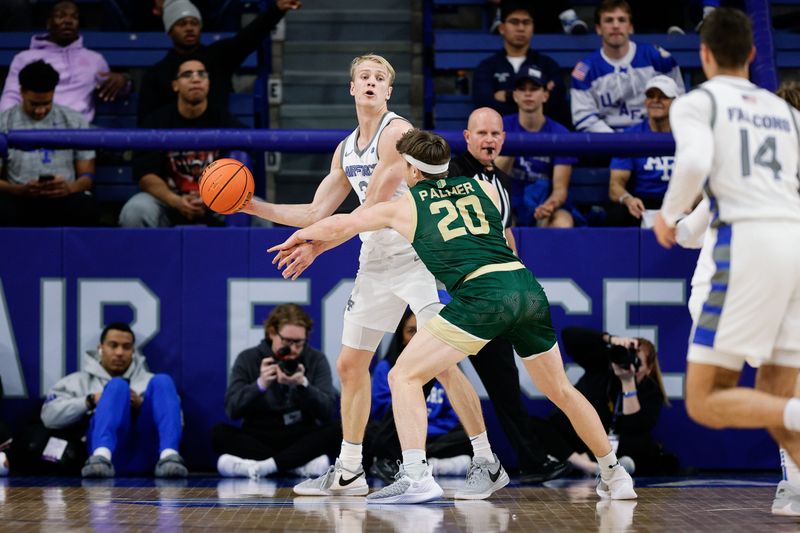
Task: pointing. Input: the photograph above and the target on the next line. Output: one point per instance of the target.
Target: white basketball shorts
(751, 309)
(384, 288)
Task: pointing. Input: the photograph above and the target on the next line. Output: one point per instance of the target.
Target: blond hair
(377, 59)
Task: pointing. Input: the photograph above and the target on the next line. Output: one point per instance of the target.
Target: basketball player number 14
(766, 155)
(460, 208)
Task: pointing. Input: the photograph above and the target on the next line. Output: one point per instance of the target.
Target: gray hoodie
(66, 401)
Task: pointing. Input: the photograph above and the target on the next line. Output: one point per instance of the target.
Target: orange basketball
(226, 185)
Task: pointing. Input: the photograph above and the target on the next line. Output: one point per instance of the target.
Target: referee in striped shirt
(485, 136)
(495, 363)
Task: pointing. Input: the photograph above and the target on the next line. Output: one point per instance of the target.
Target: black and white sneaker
(337, 481)
(483, 479)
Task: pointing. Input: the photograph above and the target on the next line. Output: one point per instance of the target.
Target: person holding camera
(45, 187)
(622, 381)
(283, 392)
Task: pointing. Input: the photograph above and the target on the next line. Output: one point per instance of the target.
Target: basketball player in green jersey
(455, 227)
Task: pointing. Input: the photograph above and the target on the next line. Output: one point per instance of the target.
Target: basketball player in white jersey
(390, 275)
(742, 142)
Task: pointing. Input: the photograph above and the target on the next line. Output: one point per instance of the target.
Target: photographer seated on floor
(283, 392)
(622, 381)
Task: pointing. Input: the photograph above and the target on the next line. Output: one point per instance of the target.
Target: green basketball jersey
(458, 229)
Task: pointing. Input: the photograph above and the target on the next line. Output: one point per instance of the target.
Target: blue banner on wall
(196, 297)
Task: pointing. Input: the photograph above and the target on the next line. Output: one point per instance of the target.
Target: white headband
(425, 167)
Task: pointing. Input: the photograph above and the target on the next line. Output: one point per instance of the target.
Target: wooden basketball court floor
(700, 503)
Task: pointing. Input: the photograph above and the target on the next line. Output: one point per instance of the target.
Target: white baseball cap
(665, 84)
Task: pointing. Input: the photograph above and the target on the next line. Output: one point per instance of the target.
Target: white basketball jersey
(754, 173)
(358, 166)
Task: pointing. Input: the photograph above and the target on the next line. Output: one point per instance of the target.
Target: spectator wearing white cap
(183, 23)
(638, 184)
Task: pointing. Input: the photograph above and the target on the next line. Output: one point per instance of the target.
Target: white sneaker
(314, 468)
(232, 466)
(483, 479)
(408, 490)
(450, 466)
(3, 464)
(618, 485)
(787, 500)
(337, 481)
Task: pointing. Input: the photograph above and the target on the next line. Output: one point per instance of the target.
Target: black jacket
(221, 60)
(244, 399)
(602, 388)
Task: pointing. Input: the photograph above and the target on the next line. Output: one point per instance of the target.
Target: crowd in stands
(609, 90)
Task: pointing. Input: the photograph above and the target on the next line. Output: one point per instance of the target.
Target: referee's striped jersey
(467, 165)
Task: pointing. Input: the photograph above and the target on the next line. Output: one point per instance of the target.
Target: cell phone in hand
(44, 178)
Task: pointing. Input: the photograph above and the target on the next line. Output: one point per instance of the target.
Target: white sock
(3, 464)
(166, 452)
(350, 456)
(414, 463)
(790, 470)
(606, 463)
(102, 451)
(266, 467)
(481, 447)
(791, 415)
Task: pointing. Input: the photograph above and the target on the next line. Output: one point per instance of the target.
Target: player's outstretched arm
(339, 228)
(330, 194)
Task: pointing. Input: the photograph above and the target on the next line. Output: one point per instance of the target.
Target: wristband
(90, 175)
(624, 197)
(629, 394)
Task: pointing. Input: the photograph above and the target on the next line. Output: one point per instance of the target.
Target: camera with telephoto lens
(624, 356)
(288, 366)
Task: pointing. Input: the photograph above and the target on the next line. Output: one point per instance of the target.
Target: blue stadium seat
(589, 186)
(464, 49)
(121, 49)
